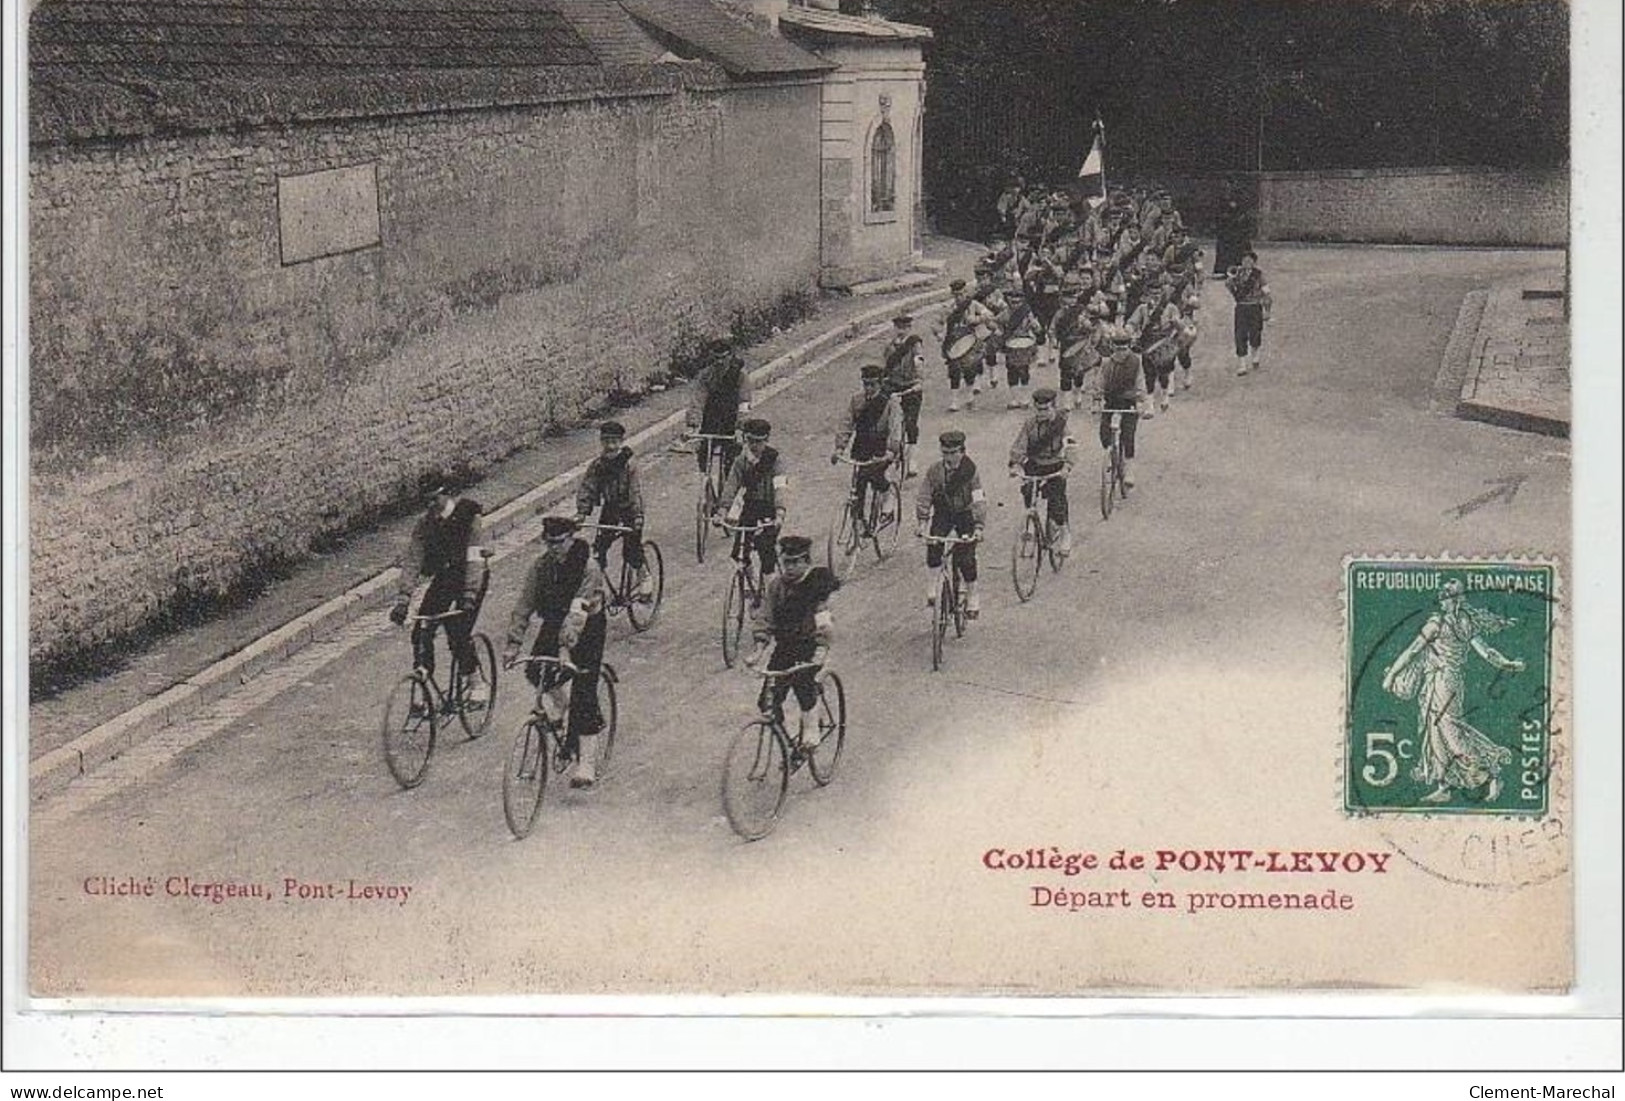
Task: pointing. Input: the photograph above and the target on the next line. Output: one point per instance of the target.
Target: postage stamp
(1448, 708)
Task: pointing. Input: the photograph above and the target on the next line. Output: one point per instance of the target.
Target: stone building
(288, 258)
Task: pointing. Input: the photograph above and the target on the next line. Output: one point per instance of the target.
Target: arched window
(883, 170)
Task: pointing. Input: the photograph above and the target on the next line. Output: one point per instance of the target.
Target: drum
(1020, 351)
(963, 347)
(1076, 354)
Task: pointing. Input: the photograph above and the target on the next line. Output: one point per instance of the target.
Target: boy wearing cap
(722, 394)
(445, 546)
(1043, 447)
(951, 501)
(874, 431)
(1252, 294)
(1119, 386)
(757, 477)
(612, 480)
(565, 589)
(963, 318)
(1019, 320)
(1073, 332)
(905, 364)
(794, 619)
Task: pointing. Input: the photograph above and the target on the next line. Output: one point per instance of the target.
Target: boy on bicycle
(445, 547)
(874, 430)
(1042, 447)
(612, 481)
(794, 619)
(905, 366)
(757, 477)
(1119, 386)
(951, 501)
(565, 589)
(722, 394)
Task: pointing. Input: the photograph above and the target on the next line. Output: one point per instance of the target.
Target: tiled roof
(836, 25)
(328, 34)
(610, 32)
(702, 27)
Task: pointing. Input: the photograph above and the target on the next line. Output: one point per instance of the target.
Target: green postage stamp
(1448, 699)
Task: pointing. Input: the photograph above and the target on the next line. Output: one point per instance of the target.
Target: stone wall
(200, 409)
(1446, 206)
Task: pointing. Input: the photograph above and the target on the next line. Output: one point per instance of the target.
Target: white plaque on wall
(326, 213)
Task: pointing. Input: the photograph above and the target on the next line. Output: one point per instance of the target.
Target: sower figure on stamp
(445, 547)
(1252, 294)
(1432, 669)
(565, 589)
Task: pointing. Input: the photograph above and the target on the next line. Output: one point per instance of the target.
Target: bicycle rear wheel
(755, 778)
(1025, 557)
(409, 730)
(831, 716)
(642, 611)
(887, 535)
(476, 717)
(524, 779)
(733, 619)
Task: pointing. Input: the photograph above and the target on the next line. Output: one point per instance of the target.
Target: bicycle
(1112, 485)
(1034, 540)
(641, 611)
(415, 705)
(763, 756)
(850, 527)
(541, 745)
(950, 605)
(744, 589)
(710, 487)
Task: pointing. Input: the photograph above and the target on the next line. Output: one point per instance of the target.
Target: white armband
(474, 552)
(823, 620)
(578, 607)
(781, 481)
(744, 407)
(977, 495)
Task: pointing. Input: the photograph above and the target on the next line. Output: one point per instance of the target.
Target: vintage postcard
(797, 497)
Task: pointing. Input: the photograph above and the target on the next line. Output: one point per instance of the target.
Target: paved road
(1179, 683)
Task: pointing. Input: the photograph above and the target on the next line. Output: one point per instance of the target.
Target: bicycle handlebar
(742, 530)
(548, 659)
(708, 436)
(883, 459)
(452, 614)
(951, 540)
(1039, 478)
(781, 674)
(607, 527)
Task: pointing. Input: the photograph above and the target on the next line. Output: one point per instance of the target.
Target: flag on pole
(1093, 172)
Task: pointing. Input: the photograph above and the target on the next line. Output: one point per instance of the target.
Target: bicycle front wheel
(475, 715)
(841, 545)
(609, 709)
(1108, 487)
(831, 715)
(887, 535)
(755, 778)
(524, 780)
(642, 610)
(939, 623)
(733, 619)
(1118, 461)
(1026, 555)
(409, 730)
(702, 517)
(959, 607)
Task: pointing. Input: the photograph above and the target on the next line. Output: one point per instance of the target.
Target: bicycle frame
(948, 578)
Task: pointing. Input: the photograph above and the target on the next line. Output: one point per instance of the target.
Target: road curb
(53, 771)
